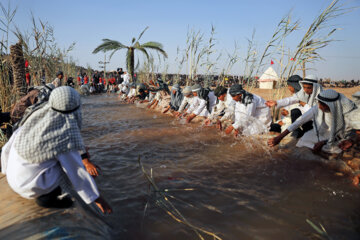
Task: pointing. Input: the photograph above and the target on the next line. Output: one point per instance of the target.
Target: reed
(163, 201)
(232, 59)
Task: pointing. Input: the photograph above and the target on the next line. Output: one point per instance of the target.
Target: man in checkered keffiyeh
(54, 129)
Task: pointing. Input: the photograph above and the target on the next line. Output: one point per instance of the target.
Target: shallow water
(242, 190)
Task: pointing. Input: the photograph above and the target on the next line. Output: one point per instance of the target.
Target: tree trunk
(131, 63)
(18, 67)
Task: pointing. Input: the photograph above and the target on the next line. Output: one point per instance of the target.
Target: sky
(87, 22)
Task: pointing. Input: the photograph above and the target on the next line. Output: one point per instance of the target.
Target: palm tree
(112, 45)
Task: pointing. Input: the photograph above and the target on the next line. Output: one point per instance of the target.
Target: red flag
(292, 59)
(272, 62)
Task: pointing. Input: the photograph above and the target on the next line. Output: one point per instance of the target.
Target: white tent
(268, 79)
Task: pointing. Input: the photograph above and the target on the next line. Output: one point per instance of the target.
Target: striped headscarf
(339, 106)
(176, 98)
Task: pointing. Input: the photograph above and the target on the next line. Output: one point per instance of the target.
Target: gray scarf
(176, 98)
(52, 130)
(237, 89)
(339, 106)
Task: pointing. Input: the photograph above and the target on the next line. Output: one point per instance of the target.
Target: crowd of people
(323, 121)
(46, 147)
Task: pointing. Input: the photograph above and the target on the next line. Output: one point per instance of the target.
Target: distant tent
(268, 79)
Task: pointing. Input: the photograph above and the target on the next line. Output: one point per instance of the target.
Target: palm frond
(142, 33)
(154, 46)
(109, 45)
(143, 50)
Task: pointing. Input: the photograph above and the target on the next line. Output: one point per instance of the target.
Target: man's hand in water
(229, 129)
(270, 103)
(103, 205)
(345, 145)
(236, 132)
(276, 140)
(219, 125)
(318, 146)
(272, 142)
(190, 118)
(207, 122)
(166, 109)
(91, 168)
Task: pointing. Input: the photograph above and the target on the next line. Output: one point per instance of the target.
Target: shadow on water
(242, 190)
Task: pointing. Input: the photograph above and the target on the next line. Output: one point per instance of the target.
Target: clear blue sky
(86, 22)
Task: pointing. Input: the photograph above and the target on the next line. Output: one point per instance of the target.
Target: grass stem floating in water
(164, 203)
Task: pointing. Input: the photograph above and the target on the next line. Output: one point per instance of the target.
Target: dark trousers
(298, 133)
(51, 200)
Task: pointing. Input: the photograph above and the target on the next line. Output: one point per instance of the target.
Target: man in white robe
(186, 102)
(202, 104)
(224, 110)
(46, 149)
(334, 119)
(252, 116)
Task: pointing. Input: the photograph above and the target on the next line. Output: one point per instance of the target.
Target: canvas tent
(268, 79)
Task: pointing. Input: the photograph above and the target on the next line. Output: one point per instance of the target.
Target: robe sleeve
(183, 104)
(193, 105)
(81, 180)
(306, 117)
(201, 107)
(287, 101)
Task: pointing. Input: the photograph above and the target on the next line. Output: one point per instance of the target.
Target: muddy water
(241, 189)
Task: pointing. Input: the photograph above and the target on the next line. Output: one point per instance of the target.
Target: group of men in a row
(323, 120)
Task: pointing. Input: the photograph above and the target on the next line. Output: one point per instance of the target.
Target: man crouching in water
(252, 116)
(335, 119)
(46, 149)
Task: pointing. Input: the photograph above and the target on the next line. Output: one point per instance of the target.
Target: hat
(196, 88)
(310, 79)
(187, 90)
(356, 95)
(220, 90)
(294, 82)
(59, 73)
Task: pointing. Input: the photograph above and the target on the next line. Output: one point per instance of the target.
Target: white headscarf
(339, 106)
(303, 96)
(356, 98)
(52, 130)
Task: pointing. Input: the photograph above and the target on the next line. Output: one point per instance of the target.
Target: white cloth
(255, 118)
(151, 96)
(186, 101)
(57, 82)
(132, 92)
(198, 107)
(31, 180)
(227, 107)
(125, 84)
